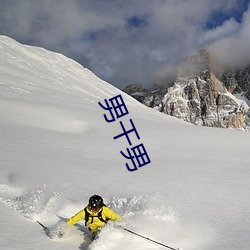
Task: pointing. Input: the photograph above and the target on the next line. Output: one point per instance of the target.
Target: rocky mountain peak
(200, 96)
(196, 64)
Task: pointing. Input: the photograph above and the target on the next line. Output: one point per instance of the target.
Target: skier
(95, 214)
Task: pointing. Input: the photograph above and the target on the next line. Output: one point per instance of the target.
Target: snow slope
(57, 150)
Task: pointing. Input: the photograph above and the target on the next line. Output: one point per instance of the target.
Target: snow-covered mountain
(201, 95)
(57, 149)
(237, 81)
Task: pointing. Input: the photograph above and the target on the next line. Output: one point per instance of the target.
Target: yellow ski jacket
(94, 223)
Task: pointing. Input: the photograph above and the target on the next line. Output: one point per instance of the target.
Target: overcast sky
(131, 41)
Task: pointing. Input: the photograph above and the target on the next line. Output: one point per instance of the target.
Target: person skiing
(95, 214)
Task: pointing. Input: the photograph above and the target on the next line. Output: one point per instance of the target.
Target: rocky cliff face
(199, 96)
(237, 81)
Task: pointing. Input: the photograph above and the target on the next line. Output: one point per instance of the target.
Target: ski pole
(150, 239)
(45, 228)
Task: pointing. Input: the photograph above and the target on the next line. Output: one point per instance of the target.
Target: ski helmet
(95, 202)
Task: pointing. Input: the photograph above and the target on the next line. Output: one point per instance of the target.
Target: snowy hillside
(57, 150)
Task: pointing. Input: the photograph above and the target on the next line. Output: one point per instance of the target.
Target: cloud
(228, 28)
(233, 49)
(125, 42)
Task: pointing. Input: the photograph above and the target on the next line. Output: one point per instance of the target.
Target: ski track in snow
(43, 117)
(144, 214)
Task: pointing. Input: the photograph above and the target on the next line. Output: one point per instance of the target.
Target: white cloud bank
(130, 41)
